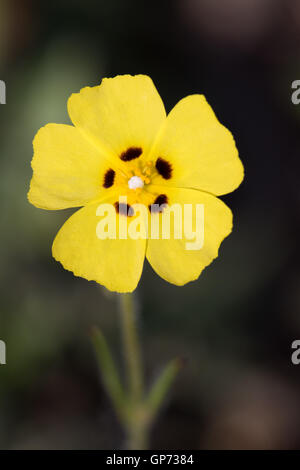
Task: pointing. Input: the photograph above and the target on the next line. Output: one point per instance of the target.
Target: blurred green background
(235, 325)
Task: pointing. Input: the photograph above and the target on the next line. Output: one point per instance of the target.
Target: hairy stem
(137, 423)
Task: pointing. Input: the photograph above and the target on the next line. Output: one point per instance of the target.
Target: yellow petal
(170, 258)
(124, 111)
(68, 171)
(116, 264)
(201, 151)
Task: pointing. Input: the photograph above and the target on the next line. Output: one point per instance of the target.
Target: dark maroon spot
(124, 209)
(109, 178)
(131, 154)
(164, 168)
(158, 204)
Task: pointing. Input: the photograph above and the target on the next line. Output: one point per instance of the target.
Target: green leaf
(161, 387)
(110, 374)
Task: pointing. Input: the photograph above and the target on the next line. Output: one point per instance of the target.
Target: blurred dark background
(235, 325)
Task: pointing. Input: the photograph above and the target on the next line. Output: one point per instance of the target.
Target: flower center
(135, 182)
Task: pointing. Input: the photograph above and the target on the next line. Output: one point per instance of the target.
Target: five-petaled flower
(123, 144)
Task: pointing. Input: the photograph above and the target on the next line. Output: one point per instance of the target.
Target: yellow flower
(123, 144)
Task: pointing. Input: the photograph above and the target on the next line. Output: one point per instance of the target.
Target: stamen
(131, 153)
(109, 178)
(164, 168)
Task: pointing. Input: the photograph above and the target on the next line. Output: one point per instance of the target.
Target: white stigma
(135, 182)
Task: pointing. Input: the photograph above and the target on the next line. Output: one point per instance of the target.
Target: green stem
(137, 423)
(131, 347)
(136, 410)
